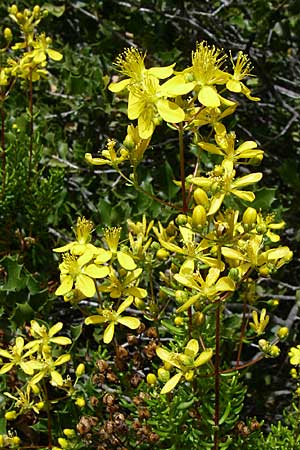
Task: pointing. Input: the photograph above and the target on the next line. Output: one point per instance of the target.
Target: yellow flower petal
(234, 86)
(62, 359)
(130, 322)
(109, 333)
(56, 378)
(204, 357)
(55, 55)
(170, 111)
(53, 330)
(192, 348)
(225, 284)
(61, 340)
(119, 86)
(145, 123)
(93, 320)
(216, 203)
(248, 196)
(171, 383)
(66, 286)
(161, 72)
(86, 285)
(6, 368)
(95, 271)
(208, 96)
(247, 179)
(135, 106)
(126, 261)
(176, 86)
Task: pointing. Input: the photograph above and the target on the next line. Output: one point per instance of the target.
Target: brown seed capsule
(108, 399)
(135, 379)
(151, 332)
(102, 365)
(112, 377)
(143, 412)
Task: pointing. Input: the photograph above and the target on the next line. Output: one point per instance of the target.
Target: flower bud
(13, 9)
(163, 375)
(16, 440)
(189, 375)
(234, 274)
(181, 296)
(10, 415)
(69, 432)
(162, 254)
(181, 219)
(283, 332)
(139, 303)
(200, 197)
(249, 217)
(80, 402)
(178, 321)
(63, 442)
(39, 405)
(151, 379)
(294, 373)
(263, 345)
(274, 351)
(168, 366)
(36, 10)
(199, 216)
(198, 318)
(7, 34)
(80, 370)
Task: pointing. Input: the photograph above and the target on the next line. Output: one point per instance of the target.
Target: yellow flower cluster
(27, 59)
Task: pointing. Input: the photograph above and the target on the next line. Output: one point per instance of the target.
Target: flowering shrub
(162, 364)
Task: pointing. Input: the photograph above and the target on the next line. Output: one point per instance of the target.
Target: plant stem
(3, 155)
(98, 294)
(217, 380)
(243, 329)
(182, 171)
(48, 415)
(30, 127)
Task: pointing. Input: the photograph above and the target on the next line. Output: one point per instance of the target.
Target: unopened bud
(151, 379)
(189, 375)
(13, 10)
(163, 375)
(80, 402)
(162, 254)
(69, 432)
(200, 197)
(274, 351)
(181, 219)
(199, 216)
(7, 34)
(178, 321)
(249, 217)
(283, 332)
(10, 415)
(63, 442)
(36, 10)
(80, 370)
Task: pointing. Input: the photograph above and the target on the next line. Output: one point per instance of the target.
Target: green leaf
(14, 280)
(56, 11)
(22, 313)
(264, 197)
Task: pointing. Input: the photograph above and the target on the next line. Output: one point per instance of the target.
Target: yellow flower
(131, 63)
(259, 325)
(208, 288)
(191, 248)
(206, 72)
(225, 146)
(18, 358)
(113, 317)
(41, 50)
(49, 366)
(222, 181)
(149, 102)
(77, 271)
(44, 338)
(185, 363)
(83, 233)
(241, 69)
(125, 286)
(112, 238)
(109, 156)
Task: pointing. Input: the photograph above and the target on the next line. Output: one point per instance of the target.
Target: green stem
(3, 155)
(182, 171)
(217, 380)
(30, 127)
(48, 414)
(98, 294)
